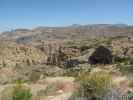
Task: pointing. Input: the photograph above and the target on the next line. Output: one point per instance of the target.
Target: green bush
(16, 92)
(124, 61)
(21, 93)
(94, 84)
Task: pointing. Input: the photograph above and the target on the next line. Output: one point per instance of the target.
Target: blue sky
(32, 13)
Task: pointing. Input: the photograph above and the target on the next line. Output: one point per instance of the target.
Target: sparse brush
(21, 93)
(16, 92)
(94, 84)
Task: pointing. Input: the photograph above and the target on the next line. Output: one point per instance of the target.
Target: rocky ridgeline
(68, 32)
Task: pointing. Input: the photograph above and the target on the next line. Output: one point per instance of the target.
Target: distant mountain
(69, 32)
(121, 25)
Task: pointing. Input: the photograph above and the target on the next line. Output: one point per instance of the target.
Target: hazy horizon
(33, 13)
(30, 28)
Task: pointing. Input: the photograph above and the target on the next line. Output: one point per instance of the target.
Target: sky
(33, 13)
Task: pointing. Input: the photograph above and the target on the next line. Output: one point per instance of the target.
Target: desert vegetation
(58, 67)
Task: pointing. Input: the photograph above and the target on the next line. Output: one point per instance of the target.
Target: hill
(68, 32)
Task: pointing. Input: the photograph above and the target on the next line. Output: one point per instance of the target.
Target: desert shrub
(6, 93)
(17, 92)
(108, 41)
(125, 67)
(71, 63)
(124, 61)
(34, 76)
(84, 47)
(94, 85)
(70, 73)
(128, 96)
(75, 71)
(21, 93)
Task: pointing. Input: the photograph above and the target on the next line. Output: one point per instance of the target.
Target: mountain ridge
(68, 32)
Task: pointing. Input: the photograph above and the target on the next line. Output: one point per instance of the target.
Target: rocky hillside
(13, 54)
(89, 62)
(69, 32)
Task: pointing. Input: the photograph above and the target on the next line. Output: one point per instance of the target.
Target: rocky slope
(69, 32)
(49, 59)
(13, 54)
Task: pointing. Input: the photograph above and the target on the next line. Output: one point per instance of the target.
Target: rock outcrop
(14, 55)
(102, 55)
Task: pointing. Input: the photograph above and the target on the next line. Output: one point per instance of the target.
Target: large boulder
(101, 55)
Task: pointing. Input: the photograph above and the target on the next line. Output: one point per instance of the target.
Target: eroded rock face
(55, 53)
(13, 54)
(101, 55)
